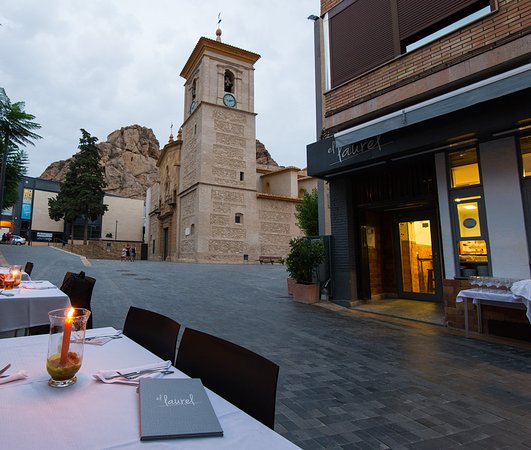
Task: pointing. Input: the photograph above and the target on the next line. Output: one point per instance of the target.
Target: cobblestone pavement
(348, 379)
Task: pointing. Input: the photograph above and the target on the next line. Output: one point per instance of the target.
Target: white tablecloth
(93, 415)
(29, 307)
(493, 295)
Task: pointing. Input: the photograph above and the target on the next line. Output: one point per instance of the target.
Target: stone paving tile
(347, 380)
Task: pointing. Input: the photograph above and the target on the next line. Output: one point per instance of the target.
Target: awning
(491, 88)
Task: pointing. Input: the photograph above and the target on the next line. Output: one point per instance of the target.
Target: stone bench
(270, 259)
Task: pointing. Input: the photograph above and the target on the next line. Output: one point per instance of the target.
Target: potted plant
(304, 257)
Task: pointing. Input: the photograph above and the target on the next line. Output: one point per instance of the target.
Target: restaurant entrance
(416, 256)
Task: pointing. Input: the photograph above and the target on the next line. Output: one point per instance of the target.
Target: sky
(105, 64)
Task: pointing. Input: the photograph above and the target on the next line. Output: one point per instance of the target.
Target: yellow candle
(66, 335)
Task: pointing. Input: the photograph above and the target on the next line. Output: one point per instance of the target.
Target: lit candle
(66, 335)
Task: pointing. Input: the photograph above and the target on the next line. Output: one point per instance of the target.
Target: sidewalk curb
(83, 259)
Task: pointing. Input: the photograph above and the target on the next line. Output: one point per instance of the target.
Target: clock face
(229, 100)
(193, 105)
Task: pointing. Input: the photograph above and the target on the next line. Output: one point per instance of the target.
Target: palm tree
(15, 129)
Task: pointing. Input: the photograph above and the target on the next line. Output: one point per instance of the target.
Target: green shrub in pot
(304, 257)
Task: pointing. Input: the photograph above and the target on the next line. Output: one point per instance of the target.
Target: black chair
(153, 331)
(244, 378)
(28, 268)
(79, 289)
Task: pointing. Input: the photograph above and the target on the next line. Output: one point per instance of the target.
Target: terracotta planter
(305, 293)
(291, 283)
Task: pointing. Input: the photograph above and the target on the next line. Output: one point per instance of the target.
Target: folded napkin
(20, 375)
(522, 288)
(44, 284)
(110, 376)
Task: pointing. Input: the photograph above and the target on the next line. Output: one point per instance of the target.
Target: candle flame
(70, 313)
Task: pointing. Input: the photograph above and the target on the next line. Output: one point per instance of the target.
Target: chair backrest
(28, 268)
(244, 378)
(79, 289)
(153, 331)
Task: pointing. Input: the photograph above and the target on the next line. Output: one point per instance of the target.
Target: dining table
(28, 304)
(498, 297)
(91, 414)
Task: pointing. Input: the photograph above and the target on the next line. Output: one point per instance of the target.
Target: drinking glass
(9, 281)
(65, 345)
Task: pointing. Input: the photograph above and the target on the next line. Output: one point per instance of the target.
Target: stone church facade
(214, 203)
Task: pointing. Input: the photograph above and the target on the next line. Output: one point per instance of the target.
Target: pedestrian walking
(123, 254)
(133, 253)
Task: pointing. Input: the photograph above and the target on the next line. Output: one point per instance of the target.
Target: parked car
(18, 240)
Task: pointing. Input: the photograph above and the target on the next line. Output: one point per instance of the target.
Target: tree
(307, 213)
(81, 194)
(15, 130)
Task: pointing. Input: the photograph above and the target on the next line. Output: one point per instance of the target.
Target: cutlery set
(138, 373)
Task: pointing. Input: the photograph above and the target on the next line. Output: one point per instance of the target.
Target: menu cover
(176, 408)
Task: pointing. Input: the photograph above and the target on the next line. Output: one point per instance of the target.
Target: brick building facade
(425, 127)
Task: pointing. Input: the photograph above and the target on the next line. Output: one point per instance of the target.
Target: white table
(492, 296)
(29, 307)
(93, 415)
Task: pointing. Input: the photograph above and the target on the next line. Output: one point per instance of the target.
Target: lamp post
(116, 230)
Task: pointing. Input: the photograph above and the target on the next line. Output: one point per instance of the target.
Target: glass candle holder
(65, 345)
(9, 281)
(16, 271)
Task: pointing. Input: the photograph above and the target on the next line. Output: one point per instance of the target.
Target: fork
(117, 335)
(136, 373)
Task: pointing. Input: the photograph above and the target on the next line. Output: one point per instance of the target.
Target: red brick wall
(512, 19)
(327, 5)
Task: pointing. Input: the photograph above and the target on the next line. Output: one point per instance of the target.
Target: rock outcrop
(263, 157)
(129, 157)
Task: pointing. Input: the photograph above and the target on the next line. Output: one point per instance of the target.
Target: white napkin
(44, 284)
(104, 375)
(522, 288)
(20, 375)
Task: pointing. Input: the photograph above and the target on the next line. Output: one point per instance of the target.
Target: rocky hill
(129, 157)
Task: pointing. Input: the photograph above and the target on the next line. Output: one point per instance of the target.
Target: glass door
(419, 275)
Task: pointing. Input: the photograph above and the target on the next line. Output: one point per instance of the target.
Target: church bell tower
(217, 191)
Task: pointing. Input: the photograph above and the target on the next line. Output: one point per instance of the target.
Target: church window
(194, 86)
(192, 229)
(229, 81)
(238, 218)
(242, 176)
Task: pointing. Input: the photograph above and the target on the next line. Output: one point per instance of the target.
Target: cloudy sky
(106, 64)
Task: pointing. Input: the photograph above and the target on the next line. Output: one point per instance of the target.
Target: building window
(194, 87)
(525, 149)
(153, 247)
(464, 168)
(228, 81)
(472, 248)
(267, 188)
(238, 218)
(301, 193)
(192, 229)
(441, 31)
(242, 176)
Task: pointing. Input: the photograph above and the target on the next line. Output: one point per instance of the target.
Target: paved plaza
(348, 379)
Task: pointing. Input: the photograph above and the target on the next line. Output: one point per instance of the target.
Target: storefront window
(471, 245)
(468, 217)
(464, 168)
(525, 147)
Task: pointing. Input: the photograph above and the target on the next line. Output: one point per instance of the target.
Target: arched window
(229, 81)
(267, 189)
(301, 192)
(194, 86)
